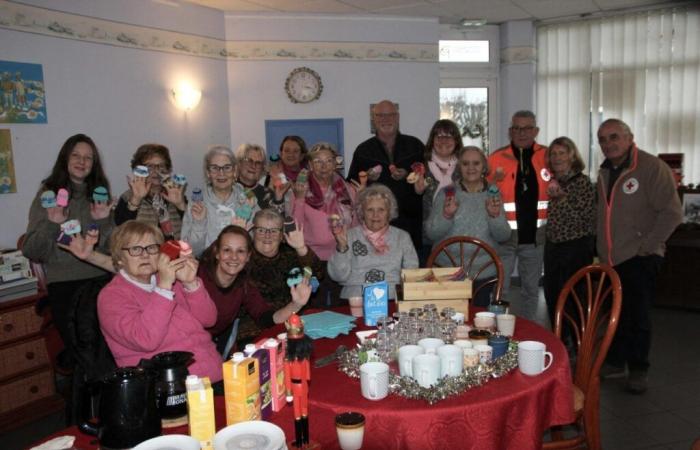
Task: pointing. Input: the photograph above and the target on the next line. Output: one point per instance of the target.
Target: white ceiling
(449, 11)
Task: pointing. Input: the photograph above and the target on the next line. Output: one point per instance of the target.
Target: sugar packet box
(263, 356)
(276, 349)
(376, 302)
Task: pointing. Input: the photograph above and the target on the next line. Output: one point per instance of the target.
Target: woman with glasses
(227, 274)
(322, 202)
(251, 169)
(224, 202)
(466, 208)
(155, 304)
(148, 199)
(444, 141)
(77, 172)
(276, 253)
(373, 251)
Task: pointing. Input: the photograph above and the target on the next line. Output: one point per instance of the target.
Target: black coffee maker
(171, 392)
(128, 414)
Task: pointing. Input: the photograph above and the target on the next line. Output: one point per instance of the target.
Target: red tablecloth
(511, 412)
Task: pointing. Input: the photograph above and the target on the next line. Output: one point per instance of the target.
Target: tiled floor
(667, 417)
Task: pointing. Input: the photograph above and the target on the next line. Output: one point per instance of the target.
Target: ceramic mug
(356, 306)
(479, 337)
(426, 369)
(451, 360)
(350, 427)
(531, 357)
(499, 343)
(485, 353)
(406, 355)
(506, 324)
(471, 357)
(485, 320)
(374, 380)
(431, 344)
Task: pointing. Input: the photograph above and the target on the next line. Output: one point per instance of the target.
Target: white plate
(170, 442)
(251, 435)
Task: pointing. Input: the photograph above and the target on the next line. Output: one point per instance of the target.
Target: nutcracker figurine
(297, 373)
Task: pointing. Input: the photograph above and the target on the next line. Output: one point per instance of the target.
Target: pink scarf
(376, 238)
(443, 175)
(336, 199)
(292, 174)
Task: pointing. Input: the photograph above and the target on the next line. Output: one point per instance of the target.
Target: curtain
(641, 67)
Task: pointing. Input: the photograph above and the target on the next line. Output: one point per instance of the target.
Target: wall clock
(303, 85)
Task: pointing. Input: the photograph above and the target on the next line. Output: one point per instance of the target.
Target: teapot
(171, 372)
(128, 414)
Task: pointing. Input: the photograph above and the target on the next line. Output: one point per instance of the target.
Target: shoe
(608, 371)
(637, 382)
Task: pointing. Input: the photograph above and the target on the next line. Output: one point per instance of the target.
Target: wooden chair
(590, 304)
(469, 248)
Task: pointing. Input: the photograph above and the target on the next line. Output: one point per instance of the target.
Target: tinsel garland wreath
(349, 363)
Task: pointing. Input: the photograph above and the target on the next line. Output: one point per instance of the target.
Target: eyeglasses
(264, 231)
(444, 136)
(526, 129)
(323, 162)
(157, 167)
(384, 115)
(253, 162)
(227, 168)
(137, 250)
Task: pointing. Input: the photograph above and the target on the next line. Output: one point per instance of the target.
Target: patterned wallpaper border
(32, 19)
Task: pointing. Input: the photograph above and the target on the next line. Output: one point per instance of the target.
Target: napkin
(327, 324)
(61, 442)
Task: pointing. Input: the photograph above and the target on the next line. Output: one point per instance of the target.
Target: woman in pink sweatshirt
(155, 304)
(323, 200)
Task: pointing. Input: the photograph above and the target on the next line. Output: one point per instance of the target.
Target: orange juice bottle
(200, 408)
(241, 389)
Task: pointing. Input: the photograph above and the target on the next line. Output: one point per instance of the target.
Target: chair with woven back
(462, 251)
(589, 304)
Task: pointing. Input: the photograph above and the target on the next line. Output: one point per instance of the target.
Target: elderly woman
(444, 141)
(292, 155)
(224, 202)
(155, 305)
(372, 251)
(322, 201)
(225, 273)
(148, 199)
(571, 218)
(469, 210)
(251, 167)
(78, 170)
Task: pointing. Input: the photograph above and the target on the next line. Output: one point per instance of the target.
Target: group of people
(256, 223)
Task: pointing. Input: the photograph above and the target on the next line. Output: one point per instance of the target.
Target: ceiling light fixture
(472, 23)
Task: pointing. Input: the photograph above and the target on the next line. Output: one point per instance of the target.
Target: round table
(506, 413)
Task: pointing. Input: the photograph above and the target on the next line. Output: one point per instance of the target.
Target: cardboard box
(416, 293)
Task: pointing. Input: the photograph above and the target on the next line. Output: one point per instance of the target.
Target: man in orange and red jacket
(638, 209)
(520, 172)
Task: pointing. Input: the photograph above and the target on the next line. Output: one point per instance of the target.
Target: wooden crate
(455, 294)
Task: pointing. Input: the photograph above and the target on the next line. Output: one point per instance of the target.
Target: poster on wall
(21, 93)
(7, 166)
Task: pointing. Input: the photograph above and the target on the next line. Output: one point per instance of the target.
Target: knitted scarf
(377, 238)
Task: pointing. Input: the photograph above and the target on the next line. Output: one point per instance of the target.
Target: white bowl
(363, 335)
(170, 442)
(255, 434)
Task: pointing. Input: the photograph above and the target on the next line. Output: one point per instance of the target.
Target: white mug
(531, 356)
(374, 380)
(463, 343)
(426, 369)
(485, 353)
(485, 319)
(431, 344)
(471, 357)
(506, 324)
(451, 360)
(406, 355)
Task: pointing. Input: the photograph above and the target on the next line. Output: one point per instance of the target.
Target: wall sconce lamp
(186, 97)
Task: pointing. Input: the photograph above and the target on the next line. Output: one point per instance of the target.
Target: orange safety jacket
(503, 166)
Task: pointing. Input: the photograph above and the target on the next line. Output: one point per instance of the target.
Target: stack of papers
(327, 324)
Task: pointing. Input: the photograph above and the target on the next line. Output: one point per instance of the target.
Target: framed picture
(691, 208)
(22, 93)
(8, 183)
